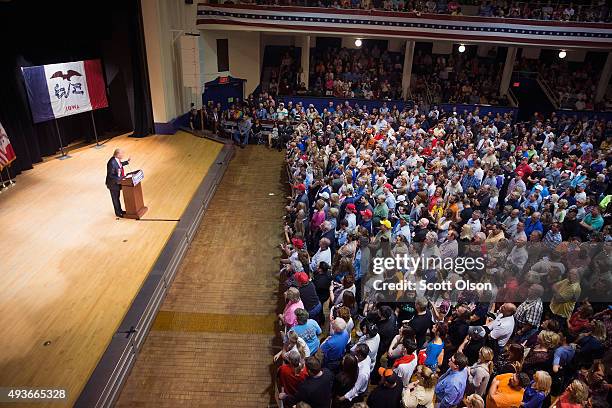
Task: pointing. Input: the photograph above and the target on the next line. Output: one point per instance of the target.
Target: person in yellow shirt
(507, 390)
(566, 293)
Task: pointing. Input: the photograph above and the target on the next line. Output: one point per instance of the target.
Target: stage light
(358, 43)
(461, 48)
(562, 54)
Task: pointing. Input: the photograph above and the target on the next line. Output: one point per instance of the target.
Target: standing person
(422, 321)
(114, 174)
(333, 347)
(308, 294)
(435, 348)
(308, 329)
(360, 385)
(345, 380)
(292, 373)
(537, 391)
(421, 392)
(480, 373)
(315, 390)
(502, 327)
(575, 396)
(507, 390)
(451, 386)
(388, 394)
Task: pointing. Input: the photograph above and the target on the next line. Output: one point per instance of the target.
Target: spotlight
(358, 43)
(562, 54)
(461, 48)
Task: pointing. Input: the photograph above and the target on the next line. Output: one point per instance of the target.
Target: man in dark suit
(114, 174)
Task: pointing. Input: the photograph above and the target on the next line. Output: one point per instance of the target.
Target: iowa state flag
(58, 90)
(7, 154)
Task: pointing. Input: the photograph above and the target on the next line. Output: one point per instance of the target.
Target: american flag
(7, 154)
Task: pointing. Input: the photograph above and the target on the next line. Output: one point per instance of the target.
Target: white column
(604, 80)
(305, 58)
(407, 73)
(507, 73)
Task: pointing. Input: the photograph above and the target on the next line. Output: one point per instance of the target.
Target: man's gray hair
(339, 325)
(293, 357)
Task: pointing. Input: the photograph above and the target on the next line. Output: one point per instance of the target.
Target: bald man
(502, 327)
(114, 174)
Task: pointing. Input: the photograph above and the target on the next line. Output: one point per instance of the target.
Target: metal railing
(550, 93)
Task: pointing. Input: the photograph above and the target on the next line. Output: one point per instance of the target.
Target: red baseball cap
(351, 207)
(302, 277)
(366, 213)
(301, 187)
(298, 243)
(389, 186)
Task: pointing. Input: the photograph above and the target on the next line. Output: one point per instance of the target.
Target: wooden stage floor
(212, 342)
(69, 269)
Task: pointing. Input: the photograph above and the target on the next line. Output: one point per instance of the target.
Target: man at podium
(114, 174)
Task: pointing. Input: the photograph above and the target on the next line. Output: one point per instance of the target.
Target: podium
(132, 195)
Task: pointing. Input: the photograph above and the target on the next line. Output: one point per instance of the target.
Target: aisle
(211, 343)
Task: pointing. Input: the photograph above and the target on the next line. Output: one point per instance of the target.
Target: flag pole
(98, 145)
(10, 179)
(2, 186)
(64, 156)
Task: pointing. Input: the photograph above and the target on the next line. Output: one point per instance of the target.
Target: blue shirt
(531, 226)
(532, 398)
(450, 388)
(469, 181)
(433, 351)
(309, 332)
(333, 348)
(563, 355)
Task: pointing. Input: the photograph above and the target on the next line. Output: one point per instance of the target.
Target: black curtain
(143, 111)
(52, 32)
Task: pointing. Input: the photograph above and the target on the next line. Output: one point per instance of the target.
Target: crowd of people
(532, 199)
(365, 72)
(572, 84)
(457, 78)
(462, 78)
(556, 11)
(581, 11)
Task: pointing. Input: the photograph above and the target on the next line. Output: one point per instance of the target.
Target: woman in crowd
(420, 393)
(537, 391)
(293, 302)
(480, 373)
(435, 347)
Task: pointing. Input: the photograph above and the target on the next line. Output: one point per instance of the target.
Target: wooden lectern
(132, 195)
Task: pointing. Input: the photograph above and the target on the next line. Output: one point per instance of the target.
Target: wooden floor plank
(212, 342)
(69, 269)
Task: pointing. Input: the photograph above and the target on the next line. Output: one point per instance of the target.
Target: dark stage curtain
(143, 111)
(51, 32)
